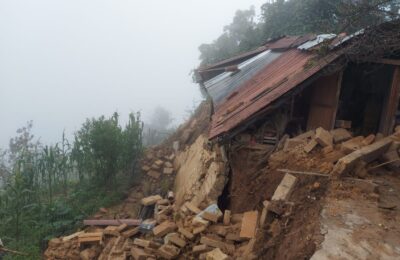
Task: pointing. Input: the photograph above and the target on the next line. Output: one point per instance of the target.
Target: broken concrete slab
(249, 224)
(367, 153)
(284, 189)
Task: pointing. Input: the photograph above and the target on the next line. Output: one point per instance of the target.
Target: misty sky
(64, 61)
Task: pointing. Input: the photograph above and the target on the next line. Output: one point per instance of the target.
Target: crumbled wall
(201, 174)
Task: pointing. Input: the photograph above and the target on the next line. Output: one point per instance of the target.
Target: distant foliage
(159, 127)
(296, 17)
(48, 189)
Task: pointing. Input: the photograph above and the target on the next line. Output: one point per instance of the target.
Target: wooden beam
(390, 105)
(389, 62)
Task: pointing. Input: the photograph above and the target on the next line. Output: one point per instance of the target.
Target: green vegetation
(48, 190)
(296, 17)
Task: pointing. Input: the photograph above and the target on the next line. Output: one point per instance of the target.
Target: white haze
(64, 61)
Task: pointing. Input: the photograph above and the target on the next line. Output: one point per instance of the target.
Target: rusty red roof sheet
(276, 79)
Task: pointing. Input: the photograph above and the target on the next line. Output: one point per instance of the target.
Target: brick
(145, 168)
(176, 240)
(285, 187)
(159, 163)
(199, 249)
(264, 213)
(343, 124)
(306, 135)
(109, 232)
(227, 217)
(121, 227)
(192, 208)
(368, 140)
(164, 228)
(210, 216)
(218, 229)
(186, 233)
(323, 137)
(333, 157)
(130, 232)
(292, 143)
(234, 237)
(216, 254)
(168, 165)
(199, 229)
(141, 242)
(310, 146)
(340, 135)
(228, 248)
(167, 251)
(236, 218)
(327, 149)
(154, 174)
(168, 171)
(151, 200)
(249, 224)
(138, 253)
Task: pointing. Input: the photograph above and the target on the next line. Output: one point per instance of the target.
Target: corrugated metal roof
(319, 39)
(224, 84)
(270, 83)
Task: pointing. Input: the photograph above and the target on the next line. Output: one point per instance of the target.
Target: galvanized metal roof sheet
(319, 39)
(271, 82)
(226, 83)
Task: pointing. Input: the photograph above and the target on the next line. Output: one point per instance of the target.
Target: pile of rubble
(178, 227)
(187, 232)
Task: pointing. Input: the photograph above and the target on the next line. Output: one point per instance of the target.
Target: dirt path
(356, 227)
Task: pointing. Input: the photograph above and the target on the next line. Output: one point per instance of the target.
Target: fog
(64, 61)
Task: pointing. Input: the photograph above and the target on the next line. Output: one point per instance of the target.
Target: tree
(296, 17)
(241, 35)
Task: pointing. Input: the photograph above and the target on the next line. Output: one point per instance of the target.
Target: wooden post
(391, 104)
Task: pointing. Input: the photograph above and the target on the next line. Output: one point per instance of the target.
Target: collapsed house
(295, 151)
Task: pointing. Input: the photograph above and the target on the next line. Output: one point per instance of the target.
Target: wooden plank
(111, 222)
(324, 102)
